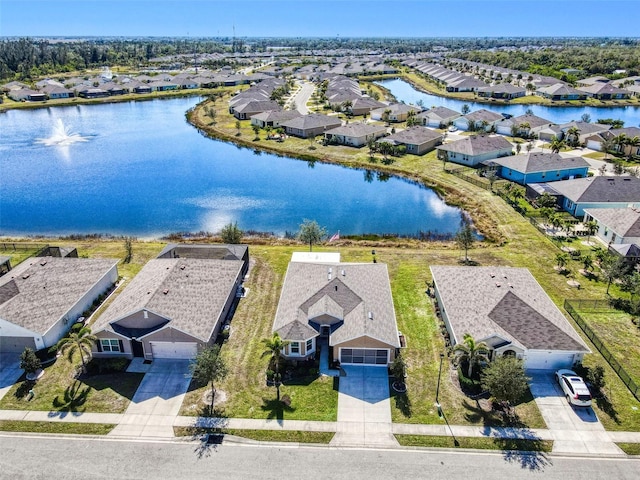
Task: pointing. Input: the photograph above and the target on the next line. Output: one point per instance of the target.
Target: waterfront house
(42, 297)
(244, 111)
(526, 125)
(348, 307)
(311, 125)
(502, 91)
(394, 113)
(418, 140)
(355, 134)
(508, 309)
(479, 120)
(26, 95)
(364, 105)
(539, 167)
(561, 91)
(471, 151)
(605, 91)
(273, 118)
(175, 305)
(438, 117)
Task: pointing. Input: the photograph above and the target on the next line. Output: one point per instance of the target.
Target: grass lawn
(630, 448)
(18, 253)
(295, 436)
(56, 427)
(480, 443)
(59, 391)
(248, 396)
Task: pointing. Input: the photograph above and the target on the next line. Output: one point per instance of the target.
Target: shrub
(29, 362)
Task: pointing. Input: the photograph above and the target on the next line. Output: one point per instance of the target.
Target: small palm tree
(556, 144)
(80, 341)
(561, 260)
(470, 351)
(632, 143)
(591, 227)
(274, 347)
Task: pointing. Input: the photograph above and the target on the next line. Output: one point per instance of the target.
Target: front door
(137, 349)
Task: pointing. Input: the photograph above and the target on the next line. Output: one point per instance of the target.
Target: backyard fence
(19, 246)
(570, 306)
(458, 172)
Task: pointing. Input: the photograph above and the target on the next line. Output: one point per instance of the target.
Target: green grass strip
(56, 427)
(295, 436)
(480, 443)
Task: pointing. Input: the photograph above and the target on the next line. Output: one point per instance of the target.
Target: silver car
(574, 388)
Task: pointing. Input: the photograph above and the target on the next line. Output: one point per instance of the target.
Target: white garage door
(548, 360)
(364, 356)
(174, 349)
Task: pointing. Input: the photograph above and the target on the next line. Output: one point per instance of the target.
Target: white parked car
(574, 388)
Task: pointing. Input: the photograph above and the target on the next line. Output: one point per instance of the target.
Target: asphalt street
(36, 457)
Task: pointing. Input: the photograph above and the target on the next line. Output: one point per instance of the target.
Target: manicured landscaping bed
(482, 443)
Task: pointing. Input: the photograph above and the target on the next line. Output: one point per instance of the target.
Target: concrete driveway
(574, 429)
(157, 401)
(364, 410)
(10, 371)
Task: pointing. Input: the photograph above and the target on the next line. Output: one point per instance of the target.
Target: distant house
(503, 91)
(605, 91)
(246, 110)
(364, 105)
(585, 130)
(311, 125)
(438, 117)
(616, 226)
(561, 91)
(355, 134)
(26, 95)
(175, 305)
(595, 141)
(592, 192)
(42, 297)
(478, 120)
(163, 86)
(475, 149)
(348, 307)
(92, 92)
(55, 92)
(508, 309)
(273, 118)
(418, 140)
(464, 84)
(525, 124)
(397, 112)
(540, 167)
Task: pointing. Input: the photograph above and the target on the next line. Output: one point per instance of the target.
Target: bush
(29, 362)
(470, 386)
(100, 366)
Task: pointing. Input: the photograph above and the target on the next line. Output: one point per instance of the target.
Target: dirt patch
(220, 398)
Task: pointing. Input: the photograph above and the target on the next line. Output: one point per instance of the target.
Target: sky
(320, 18)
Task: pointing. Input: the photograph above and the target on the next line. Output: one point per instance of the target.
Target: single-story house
(42, 297)
(526, 125)
(55, 91)
(616, 225)
(163, 86)
(346, 306)
(539, 167)
(246, 110)
(26, 95)
(363, 105)
(92, 92)
(355, 134)
(604, 91)
(508, 309)
(475, 149)
(273, 118)
(585, 130)
(438, 117)
(480, 119)
(579, 194)
(561, 91)
(418, 140)
(594, 142)
(464, 83)
(502, 91)
(174, 306)
(397, 112)
(310, 125)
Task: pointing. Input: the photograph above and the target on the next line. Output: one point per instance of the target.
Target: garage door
(364, 356)
(16, 344)
(548, 360)
(174, 349)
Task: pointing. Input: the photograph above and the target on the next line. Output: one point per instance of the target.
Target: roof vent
(370, 315)
(498, 284)
(43, 263)
(165, 291)
(145, 314)
(492, 275)
(336, 287)
(25, 276)
(182, 267)
(343, 272)
(510, 285)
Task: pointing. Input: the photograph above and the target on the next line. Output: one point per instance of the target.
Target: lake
(138, 168)
(405, 92)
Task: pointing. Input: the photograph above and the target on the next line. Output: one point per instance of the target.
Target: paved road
(302, 97)
(35, 457)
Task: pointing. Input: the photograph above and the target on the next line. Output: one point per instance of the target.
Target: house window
(309, 345)
(294, 348)
(110, 345)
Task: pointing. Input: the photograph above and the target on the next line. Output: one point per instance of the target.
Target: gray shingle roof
(477, 145)
(40, 291)
(483, 115)
(541, 162)
(625, 222)
(357, 130)
(600, 189)
(414, 136)
(308, 293)
(190, 292)
(312, 121)
(490, 301)
(439, 113)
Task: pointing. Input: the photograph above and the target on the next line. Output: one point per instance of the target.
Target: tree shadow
(208, 439)
(72, 401)
(403, 402)
(23, 389)
(276, 408)
(607, 407)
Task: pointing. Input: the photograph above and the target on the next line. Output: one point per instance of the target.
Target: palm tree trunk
(213, 397)
(470, 372)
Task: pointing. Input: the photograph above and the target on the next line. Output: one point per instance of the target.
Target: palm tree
(274, 347)
(632, 143)
(556, 144)
(572, 136)
(607, 144)
(591, 227)
(471, 352)
(561, 260)
(620, 141)
(80, 340)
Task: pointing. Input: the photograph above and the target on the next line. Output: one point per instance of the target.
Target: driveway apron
(10, 371)
(157, 401)
(364, 409)
(574, 429)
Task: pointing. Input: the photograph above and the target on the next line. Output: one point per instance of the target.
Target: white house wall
(8, 329)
